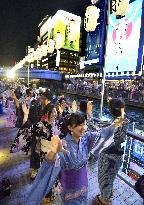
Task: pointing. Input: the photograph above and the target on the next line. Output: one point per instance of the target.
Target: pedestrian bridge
(36, 74)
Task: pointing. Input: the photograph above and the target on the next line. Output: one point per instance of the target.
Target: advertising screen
(138, 150)
(123, 39)
(95, 41)
(68, 25)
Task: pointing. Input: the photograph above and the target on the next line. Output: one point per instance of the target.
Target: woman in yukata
(110, 158)
(42, 132)
(67, 159)
(11, 119)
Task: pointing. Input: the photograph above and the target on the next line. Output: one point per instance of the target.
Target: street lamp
(11, 74)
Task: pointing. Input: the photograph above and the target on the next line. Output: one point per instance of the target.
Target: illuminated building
(60, 29)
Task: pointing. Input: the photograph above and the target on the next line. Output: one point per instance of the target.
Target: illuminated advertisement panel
(95, 41)
(123, 40)
(68, 25)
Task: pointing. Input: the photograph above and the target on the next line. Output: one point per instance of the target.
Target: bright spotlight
(10, 74)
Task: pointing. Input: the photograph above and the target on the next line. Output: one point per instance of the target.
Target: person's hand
(89, 107)
(74, 106)
(56, 145)
(25, 109)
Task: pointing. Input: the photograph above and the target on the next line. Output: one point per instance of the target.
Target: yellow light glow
(10, 74)
(91, 17)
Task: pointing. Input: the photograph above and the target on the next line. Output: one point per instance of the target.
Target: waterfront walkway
(136, 104)
(16, 168)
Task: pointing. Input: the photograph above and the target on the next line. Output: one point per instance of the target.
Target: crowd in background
(129, 90)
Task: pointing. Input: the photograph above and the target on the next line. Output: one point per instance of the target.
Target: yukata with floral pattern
(28, 133)
(71, 166)
(11, 118)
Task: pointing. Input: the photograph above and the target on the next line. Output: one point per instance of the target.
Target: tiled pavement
(16, 167)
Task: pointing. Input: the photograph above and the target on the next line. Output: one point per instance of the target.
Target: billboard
(68, 25)
(95, 41)
(124, 39)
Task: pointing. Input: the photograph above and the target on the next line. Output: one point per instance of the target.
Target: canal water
(135, 115)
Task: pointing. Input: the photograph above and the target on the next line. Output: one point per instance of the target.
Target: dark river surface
(135, 115)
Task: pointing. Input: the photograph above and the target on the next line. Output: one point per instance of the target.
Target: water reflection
(135, 115)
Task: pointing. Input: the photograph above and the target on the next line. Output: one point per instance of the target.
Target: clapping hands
(25, 109)
(56, 145)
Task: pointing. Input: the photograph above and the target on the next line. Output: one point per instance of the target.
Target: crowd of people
(128, 90)
(60, 137)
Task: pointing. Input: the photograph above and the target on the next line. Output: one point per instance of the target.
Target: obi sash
(74, 179)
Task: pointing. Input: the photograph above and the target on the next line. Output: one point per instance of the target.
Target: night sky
(19, 20)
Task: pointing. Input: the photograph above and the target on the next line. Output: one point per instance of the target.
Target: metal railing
(129, 96)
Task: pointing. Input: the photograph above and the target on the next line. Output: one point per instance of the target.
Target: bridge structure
(36, 74)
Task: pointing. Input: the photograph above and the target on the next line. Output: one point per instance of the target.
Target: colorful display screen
(123, 40)
(138, 150)
(95, 41)
(61, 23)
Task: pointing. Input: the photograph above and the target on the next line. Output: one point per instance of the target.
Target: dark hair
(115, 106)
(75, 119)
(18, 94)
(28, 91)
(47, 95)
(83, 106)
(71, 120)
(48, 110)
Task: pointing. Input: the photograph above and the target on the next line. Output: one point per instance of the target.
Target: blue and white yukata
(70, 168)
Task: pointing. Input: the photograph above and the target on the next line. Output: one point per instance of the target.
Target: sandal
(52, 198)
(33, 174)
(98, 201)
(47, 200)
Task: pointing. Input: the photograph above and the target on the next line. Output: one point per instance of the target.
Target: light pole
(91, 22)
(106, 18)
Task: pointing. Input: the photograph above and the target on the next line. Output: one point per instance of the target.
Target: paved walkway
(16, 168)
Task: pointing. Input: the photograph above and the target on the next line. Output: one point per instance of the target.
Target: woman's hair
(74, 119)
(48, 95)
(28, 91)
(83, 106)
(115, 106)
(48, 110)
